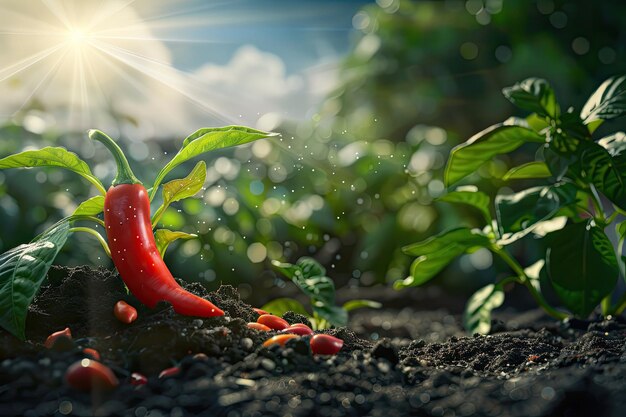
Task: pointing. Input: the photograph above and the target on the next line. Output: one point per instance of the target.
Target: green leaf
(177, 190)
(620, 228)
(310, 277)
(280, 306)
(475, 199)
(52, 157)
(499, 139)
(206, 140)
(180, 189)
(535, 95)
(163, 238)
(335, 315)
(581, 266)
(477, 313)
(607, 102)
(536, 122)
(605, 172)
(462, 236)
(535, 169)
(521, 211)
(91, 207)
(437, 252)
(22, 269)
(356, 304)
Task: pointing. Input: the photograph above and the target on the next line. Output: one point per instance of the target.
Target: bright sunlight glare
(88, 62)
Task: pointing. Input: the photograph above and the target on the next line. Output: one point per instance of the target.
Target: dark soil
(394, 363)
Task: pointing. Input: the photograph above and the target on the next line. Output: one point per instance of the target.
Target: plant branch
(523, 279)
(97, 235)
(158, 214)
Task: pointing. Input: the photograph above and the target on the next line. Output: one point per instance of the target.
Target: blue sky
(301, 32)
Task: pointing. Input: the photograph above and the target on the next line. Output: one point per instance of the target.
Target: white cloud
(128, 79)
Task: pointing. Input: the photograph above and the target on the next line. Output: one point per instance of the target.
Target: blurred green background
(357, 180)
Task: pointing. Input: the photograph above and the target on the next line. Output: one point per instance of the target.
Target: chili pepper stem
(97, 235)
(124, 173)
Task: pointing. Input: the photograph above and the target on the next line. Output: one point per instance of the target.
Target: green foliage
(91, 207)
(206, 140)
(163, 238)
(22, 270)
(310, 277)
(477, 314)
(580, 261)
(51, 157)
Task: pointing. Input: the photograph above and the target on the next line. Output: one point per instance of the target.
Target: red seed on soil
(51, 340)
(324, 344)
(281, 339)
(138, 379)
(273, 322)
(166, 373)
(300, 325)
(86, 375)
(260, 312)
(299, 330)
(258, 326)
(124, 312)
(92, 352)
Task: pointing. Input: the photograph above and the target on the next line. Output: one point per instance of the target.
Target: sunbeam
(86, 60)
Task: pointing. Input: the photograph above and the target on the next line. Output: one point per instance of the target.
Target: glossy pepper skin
(133, 249)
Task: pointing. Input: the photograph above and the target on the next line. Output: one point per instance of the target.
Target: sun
(78, 37)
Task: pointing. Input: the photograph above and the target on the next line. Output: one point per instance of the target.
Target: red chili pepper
(273, 322)
(92, 352)
(133, 249)
(166, 373)
(124, 312)
(299, 330)
(259, 311)
(138, 379)
(51, 340)
(258, 326)
(324, 344)
(281, 339)
(87, 374)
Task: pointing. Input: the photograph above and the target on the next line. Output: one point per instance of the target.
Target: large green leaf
(519, 212)
(163, 238)
(180, 189)
(356, 304)
(206, 140)
(477, 313)
(499, 139)
(22, 269)
(437, 252)
(581, 266)
(462, 236)
(310, 277)
(607, 102)
(280, 306)
(472, 198)
(426, 267)
(605, 172)
(535, 95)
(535, 169)
(91, 207)
(51, 157)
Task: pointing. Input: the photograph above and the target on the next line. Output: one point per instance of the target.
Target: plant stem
(157, 215)
(597, 205)
(91, 218)
(96, 183)
(619, 307)
(124, 173)
(97, 235)
(605, 305)
(523, 279)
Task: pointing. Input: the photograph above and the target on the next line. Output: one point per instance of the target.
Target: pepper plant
(310, 277)
(23, 269)
(582, 192)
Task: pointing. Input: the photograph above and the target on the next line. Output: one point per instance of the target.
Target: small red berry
(273, 322)
(138, 379)
(281, 339)
(86, 375)
(258, 326)
(324, 344)
(124, 312)
(51, 340)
